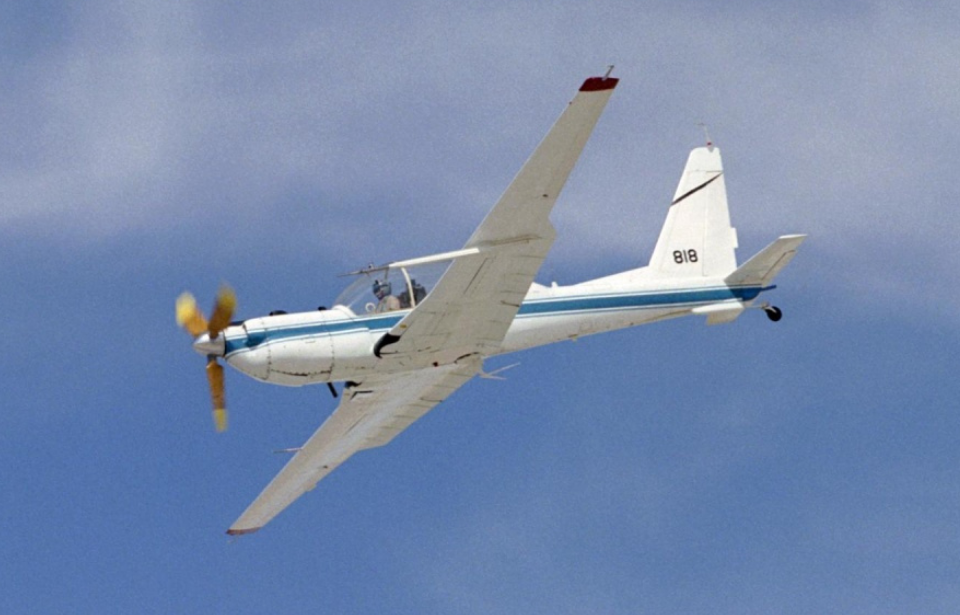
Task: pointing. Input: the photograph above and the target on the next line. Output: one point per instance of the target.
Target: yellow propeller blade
(191, 318)
(222, 311)
(215, 377)
(189, 315)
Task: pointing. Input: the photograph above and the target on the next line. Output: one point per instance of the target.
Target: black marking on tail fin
(697, 189)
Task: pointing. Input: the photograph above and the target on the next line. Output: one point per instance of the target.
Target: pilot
(387, 301)
(419, 292)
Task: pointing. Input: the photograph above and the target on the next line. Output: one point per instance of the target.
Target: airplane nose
(206, 346)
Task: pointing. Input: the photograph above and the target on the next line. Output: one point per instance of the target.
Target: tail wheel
(773, 313)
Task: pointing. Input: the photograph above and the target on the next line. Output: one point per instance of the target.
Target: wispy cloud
(162, 118)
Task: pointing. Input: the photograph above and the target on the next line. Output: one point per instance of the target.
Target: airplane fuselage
(337, 345)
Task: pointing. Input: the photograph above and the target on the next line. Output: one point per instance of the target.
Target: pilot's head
(381, 289)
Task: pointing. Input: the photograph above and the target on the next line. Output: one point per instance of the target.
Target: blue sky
(801, 467)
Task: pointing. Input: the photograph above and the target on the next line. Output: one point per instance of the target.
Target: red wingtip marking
(234, 532)
(598, 84)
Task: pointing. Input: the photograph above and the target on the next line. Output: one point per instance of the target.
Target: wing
(369, 415)
(473, 304)
(466, 314)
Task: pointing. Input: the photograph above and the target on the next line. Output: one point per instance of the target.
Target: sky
(805, 466)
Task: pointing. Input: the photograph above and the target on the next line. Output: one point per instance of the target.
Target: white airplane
(403, 337)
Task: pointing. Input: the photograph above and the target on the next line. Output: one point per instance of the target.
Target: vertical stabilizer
(697, 239)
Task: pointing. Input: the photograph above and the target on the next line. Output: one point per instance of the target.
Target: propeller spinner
(208, 341)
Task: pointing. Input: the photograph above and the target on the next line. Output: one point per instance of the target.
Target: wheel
(773, 313)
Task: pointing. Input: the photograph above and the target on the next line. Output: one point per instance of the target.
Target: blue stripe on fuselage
(538, 307)
(642, 300)
(334, 327)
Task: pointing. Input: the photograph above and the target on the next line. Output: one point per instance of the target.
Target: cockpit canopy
(389, 288)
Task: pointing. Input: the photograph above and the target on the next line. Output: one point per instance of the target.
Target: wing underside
(370, 414)
(478, 297)
(439, 346)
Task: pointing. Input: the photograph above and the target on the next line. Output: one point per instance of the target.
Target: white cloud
(398, 122)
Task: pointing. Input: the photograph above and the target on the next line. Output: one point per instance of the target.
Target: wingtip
(599, 84)
(241, 532)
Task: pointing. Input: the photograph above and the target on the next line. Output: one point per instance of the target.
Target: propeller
(207, 340)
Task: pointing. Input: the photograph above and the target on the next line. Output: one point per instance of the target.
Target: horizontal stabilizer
(767, 263)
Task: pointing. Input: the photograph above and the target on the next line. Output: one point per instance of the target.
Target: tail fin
(697, 239)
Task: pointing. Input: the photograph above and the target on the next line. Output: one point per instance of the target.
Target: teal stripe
(652, 299)
(538, 307)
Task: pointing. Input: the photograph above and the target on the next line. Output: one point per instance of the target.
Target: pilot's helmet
(381, 289)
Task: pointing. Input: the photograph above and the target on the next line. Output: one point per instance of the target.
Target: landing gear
(773, 312)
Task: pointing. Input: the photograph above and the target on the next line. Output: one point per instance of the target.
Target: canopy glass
(386, 289)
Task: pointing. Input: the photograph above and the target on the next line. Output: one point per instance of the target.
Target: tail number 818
(685, 256)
